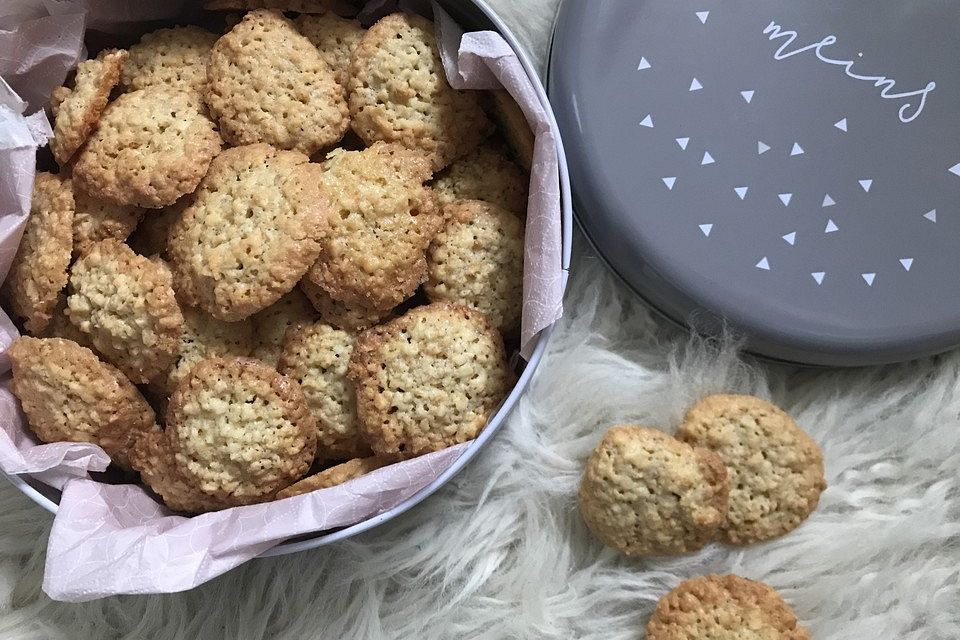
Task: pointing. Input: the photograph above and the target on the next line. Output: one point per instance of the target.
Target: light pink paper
(114, 539)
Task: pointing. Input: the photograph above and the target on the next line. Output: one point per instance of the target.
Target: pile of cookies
(739, 471)
(272, 259)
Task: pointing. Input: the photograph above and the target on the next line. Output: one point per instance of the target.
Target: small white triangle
(791, 238)
(828, 201)
(868, 278)
(683, 142)
(647, 122)
(931, 215)
(907, 263)
(831, 227)
(818, 276)
(707, 158)
(741, 191)
(703, 15)
(797, 149)
(695, 85)
(762, 148)
(643, 64)
(706, 228)
(955, 169)
(866, 184)
(763, 264)
(842, 125)
(669, 182)
(747, 95)
(785, 198)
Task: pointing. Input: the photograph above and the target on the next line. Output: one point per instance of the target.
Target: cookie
(152, 234)
(428, 380)
(267, 83)
(240, 431)
(399, 93)
(252, 230)
(484, 174)
(645, 493)
(68, 394)
(335, 38)
(513, 124)
(342, 315)
(39, 269)
(350, 470)
(151, 147)
(174, 58)
(61, 327)
(95, 220)
(382, 220)
(126, 304)
(477, 261)
(154, 458)
(271, 324)
(299, 6)
(76, 110)
(775, 469)
(724, 608)
(316, 356)
(205, 337)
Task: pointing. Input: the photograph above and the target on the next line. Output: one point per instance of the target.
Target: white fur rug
(502, 553)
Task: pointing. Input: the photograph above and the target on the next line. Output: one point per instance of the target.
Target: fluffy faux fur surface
(501, 552)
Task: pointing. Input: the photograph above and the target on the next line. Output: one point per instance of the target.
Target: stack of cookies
(271, 260)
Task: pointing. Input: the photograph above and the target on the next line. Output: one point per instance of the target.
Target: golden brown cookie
(382, 221)
(77, 110)
(153, 231)
(342, 315)
(267, 83)
(61, 327)
(95, 220)
(154, 458)
(126, 304)
(174, 58)
(775, 469)
(271, 324)
(477, 261)
(724, 608)
(399, 93)
(316, 356)
(345, 472)
(68, 394)
(645, 493)
(39, 269)
(299, 6)
(428, 380)
(335, 38)
(513, 124)
(205, 337)
(484, 174)
(251, 232)
(151, 147)
(240, 431)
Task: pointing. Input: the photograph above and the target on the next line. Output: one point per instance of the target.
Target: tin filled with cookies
(279, 261)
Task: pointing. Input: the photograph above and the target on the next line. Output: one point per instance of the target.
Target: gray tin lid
(789, 166)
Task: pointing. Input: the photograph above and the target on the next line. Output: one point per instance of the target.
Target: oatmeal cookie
(95, 220)
(484, 174)
(724, 608)
(240, 431)
(251, 232)
(399, 93)
(342, 315)
(271, 324)
(175, 58)
(126, 305)
(39, 269)
(76, 110)
(68, 394)
(477, 261)
(428, 380)
(775, 469)
(267, 83)
(350, 470)
(335, 38)
(645, 493)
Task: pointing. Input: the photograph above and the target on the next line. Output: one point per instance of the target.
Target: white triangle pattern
(647, 122)
(842, 125)
(695, 85)
(955, 169)
(683, 142)
(828, 201)
(747, 95)
(831, 227)
(785, 198)
(741, 191)
(762, 147)
(707, 158)
(791, 238)
(818, 276)
(763, 264)
(931, 215)
(907, 263)
(797, 150)
(869, 278)
(706, 229)
(670, 182)
(703, 15)
(644, 64)
(866, 184)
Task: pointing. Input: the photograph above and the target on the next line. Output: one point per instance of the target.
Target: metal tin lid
(788, 167)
